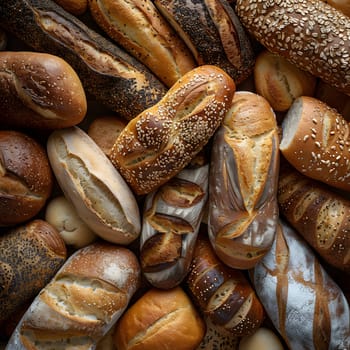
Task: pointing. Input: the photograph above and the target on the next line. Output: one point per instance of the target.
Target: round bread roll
(280, 81)
(160, 319)
(26, 178)
(61, 214)
(262, 339)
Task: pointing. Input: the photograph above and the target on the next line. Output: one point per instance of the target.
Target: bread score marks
(243, 181)
(311, 312)
(98, 192)
(311, 34)
(163, 139)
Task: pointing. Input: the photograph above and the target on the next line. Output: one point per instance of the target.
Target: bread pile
(174, 174)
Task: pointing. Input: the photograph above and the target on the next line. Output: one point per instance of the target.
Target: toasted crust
(163, 139)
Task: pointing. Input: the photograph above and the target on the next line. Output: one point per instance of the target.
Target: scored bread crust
(315, 140)
(140, 29)
(163, 139)
(242, 217)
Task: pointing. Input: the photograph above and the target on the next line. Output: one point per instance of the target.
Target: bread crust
(163, 139)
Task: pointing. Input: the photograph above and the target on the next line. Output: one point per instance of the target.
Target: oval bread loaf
(39, 90)
(82, 301)
(164, 138)
(311, 34)
(98, 192)
(315, 140)
(26, 178)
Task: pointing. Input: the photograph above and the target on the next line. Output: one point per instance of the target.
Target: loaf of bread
(98, 192)
(315, 140)
(221, 293)
(30, 256)
(141, 30)
(214, 34)
(160, 319)
(311, 34)
(280, 81)
(163, 139)
(76, 7)
(243, 211)
(82, 302)
(39, 90)
(108, 74)
(171, 220)
(263, 339)
(304, 303)
(26, 178)
(319, 215)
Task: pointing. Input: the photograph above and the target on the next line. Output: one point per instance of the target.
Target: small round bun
(160, 319)
(61, 214)
(262, 339)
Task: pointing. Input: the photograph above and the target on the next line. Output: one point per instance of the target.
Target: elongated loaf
(39, 90)
(171, 219)
(98, 192)
(23, 275)
(214, 34)
(243, 210)
(141, 30)
(311, 34)
(82, 302)
(304, 303)
(26, 178)
(164, 138)
(318, 214)
(315, 140)
(221, 293)
(108, 74)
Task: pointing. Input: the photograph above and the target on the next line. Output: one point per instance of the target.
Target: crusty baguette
(318, 214)
(22, 276)
(243, 210)
(82, 302)
(164, 138)
(315, 140)
(98, 192)
(141, 30)
(39, 90)
(221, 293)
(303, 302)
(171, 220)
(214, 34)
(108, 74)
(26, 179)
(160, 319)
(311, 34)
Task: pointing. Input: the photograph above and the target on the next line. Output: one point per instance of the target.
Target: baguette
(33, 87)
(310, 34)
(305, 305)
(243, 210)
(109, 75)
(318, 214)
(214, 34)
(141, 30)
(82, 302)
(26, 179)
(162, 140)
(315, 140)
(95, 188)
(171, 221)
(22, 276)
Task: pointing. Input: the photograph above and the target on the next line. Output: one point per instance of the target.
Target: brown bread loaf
(30, 256)
(164, 138)
(243, 210)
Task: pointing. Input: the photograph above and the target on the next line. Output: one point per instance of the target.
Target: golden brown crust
(310, 34)
(75, 7)
(140, 29)
(163, 139)
(160, 317)
(26, 178)
(315, 140)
